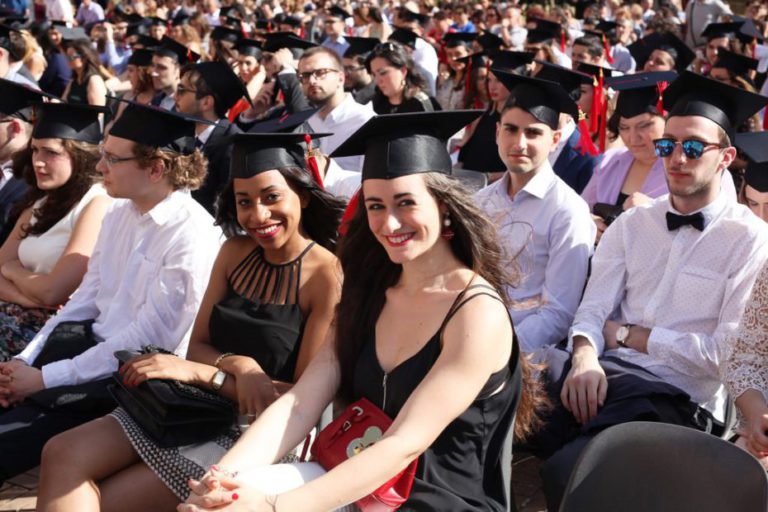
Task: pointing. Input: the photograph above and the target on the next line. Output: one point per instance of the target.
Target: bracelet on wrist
(219, 359)
(224, 471)
(272, 501)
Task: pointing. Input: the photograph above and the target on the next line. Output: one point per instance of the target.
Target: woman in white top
(46, 255)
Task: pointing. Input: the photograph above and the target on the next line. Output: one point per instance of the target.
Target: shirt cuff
(59, 373)
(659, 342)
(596, 342)
(287, 71)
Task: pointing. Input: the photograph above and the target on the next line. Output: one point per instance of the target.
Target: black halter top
(461, 470)
(260, 315)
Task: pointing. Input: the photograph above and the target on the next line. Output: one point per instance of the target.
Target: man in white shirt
(145, 281)
(322, 80)
(669, 284)
(544, 225)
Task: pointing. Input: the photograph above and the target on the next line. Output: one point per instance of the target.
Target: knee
(60, 451)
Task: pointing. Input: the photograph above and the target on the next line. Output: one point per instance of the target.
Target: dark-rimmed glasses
(317, 74)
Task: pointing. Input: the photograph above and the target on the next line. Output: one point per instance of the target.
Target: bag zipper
(384, 385)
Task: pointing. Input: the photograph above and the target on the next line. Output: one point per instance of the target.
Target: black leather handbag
(171, 412)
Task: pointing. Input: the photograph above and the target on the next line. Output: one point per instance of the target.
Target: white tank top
(39, 253)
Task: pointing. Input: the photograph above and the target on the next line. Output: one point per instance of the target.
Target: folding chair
(643, 466)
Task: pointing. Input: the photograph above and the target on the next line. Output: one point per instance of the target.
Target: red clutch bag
(359, 426)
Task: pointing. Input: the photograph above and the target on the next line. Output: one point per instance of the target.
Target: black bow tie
(675, 221)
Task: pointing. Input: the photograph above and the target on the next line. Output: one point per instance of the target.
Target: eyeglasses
(75, 56)
(112, 160)
(317, 74)
(692, 149)
(180, 89)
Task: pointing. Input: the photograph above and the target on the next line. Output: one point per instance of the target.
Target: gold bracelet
(272, 503)
(221, 357)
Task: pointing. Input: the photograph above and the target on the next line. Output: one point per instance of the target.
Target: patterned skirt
(18, 325)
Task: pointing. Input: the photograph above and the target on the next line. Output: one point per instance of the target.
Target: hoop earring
(447, 232)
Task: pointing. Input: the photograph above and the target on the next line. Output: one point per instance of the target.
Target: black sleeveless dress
(461, 470)
(258, 318)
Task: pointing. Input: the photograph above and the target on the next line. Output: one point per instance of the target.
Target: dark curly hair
(60, 201)
(320, 219)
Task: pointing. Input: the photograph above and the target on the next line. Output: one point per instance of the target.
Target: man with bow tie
(669, 284)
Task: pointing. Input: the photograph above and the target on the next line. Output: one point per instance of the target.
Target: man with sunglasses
(668, 287)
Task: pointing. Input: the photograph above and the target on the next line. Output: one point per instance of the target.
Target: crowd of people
(490, 220)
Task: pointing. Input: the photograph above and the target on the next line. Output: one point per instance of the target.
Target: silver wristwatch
(622, 334)
(218, 380)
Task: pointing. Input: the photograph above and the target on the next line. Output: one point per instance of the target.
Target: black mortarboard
(146, 42)
(748, 32)
(171, 48)
(262, 24)
(695, 95)
(17, 22)
(141, 57)
(68, 121)
(250, 47)
(642, 49)
(181, 19)
(755, 146)
(277, 40)
(398, 145)
(543, 31)
(59, 23)
(5, 36)
(140, 28)
(490, 41)
(639, 93)
(715, 30)
(233, 22)
(509, 60)
(291, 21)
(157, 21)
(361, 46)
(457, 38)
(224, 83)
(338, 12)
(477, 59)
(605, 26)
(593, 70)
(404, 36)
(136, 18)
(16, 99)
(569, 79)
(543, 99)
(254, 153)
(284, 124)
(226, 34)
(739, 65)
(409, 16)
(73, 34)
(156, 127)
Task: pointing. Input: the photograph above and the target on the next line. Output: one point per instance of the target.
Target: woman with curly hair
(46, 254)
(400, 88)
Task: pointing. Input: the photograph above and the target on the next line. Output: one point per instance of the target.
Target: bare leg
(72, 463)
(136, 488)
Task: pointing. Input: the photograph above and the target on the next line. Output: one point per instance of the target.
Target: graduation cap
(140, 28)
(262, 24)
(594, 71)
(292, 21)
(232, 22)
(568, 79)
(694, 95)
(490, 41)
(642, 49)
(640, 93)
(69, 34)
(181, 19)
(278, 40)
(141, 57)
(15, 21)
(338, 12)
(136, 18)
(717, 30)
(156, 21)
(89, 26)
(5, 36)
(405, 37)
(739, 65)
(544, 31)
(146, 42)
(475, 60)
(361, 46)
(543, 99)
(16, 99)
(398, 145)
(250, 48)
(748, 32)
(156, 127)
(408, 15)
(453, 39)
(230, 35)
(755, 146)
(285, 124)
(220, 78)
(254, 153)
(68, 121)
(509, 60)
(605, 26)
(171, 48)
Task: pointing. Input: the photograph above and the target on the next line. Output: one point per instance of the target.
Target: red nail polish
(235, 496)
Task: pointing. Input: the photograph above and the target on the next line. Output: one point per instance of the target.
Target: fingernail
(235, 496)
(215, 468)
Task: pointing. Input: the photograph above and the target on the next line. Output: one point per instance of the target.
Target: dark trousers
(634, 394)
(26, 428)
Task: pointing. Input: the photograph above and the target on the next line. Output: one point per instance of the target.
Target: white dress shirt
(6, 173)
(549, 228)
(425, 57)
(342, 121)
(144, 284)
(341, 183)
(688, 287)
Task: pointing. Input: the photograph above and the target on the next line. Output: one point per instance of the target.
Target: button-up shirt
(342, 121)
(688, 286)
(340, 45)
(547, 228)
(144, 284)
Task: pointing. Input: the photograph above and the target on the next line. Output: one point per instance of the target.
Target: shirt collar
(165, 209)
(539, 185)
(710, 211)
(206, 134)
(340, 108)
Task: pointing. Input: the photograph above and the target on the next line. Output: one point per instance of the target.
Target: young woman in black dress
(422, 331)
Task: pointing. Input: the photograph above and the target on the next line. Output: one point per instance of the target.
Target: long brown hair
(60, 201)
(369, 273)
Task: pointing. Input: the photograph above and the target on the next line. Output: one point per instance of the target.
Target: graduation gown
(11, 193)
(218, 150)
(574, 168)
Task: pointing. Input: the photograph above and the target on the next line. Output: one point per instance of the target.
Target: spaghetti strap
(461, 300)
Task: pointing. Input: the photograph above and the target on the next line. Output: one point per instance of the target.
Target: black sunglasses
(692, 149)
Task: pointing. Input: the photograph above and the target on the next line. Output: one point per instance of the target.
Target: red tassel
(597, 102)
(280, 97)
(607, 48)
(585, 144)
(269, 27)
(242, 30)
(312, 161)
(661, 87)
(562, 41)
(302, 34)
(765, 119)
(603, 123)
(349, 213)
